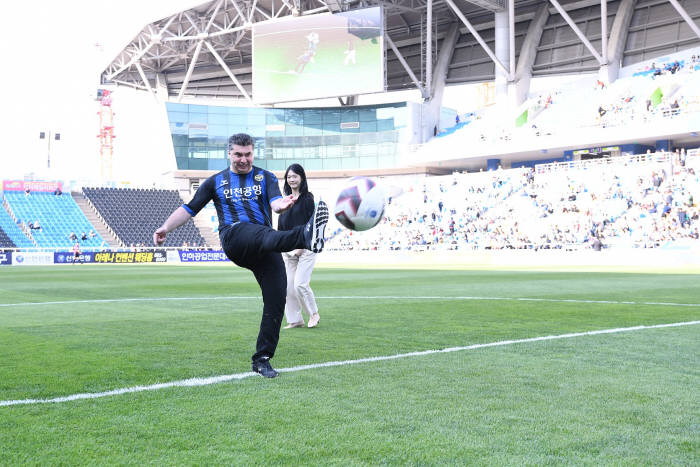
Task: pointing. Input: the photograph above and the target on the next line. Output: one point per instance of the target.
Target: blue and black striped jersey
(238, 198)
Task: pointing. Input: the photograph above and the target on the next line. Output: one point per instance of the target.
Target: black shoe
(263, 367)
(314, 228)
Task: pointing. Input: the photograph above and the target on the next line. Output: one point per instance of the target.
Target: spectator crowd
(639, 204)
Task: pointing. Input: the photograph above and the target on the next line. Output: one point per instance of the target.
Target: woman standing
(299, 263)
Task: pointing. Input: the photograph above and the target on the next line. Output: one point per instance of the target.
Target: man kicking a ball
(243, 196)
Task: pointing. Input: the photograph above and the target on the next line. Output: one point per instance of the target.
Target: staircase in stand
(212, 238)
(96, 220)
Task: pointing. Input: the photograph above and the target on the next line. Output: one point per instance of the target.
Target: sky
(53, 53)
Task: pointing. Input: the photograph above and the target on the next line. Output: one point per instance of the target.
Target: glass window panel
(237, 120)
(220, 143)
(350, 139)
(198, 164)
(331, 128)
(313, 164)
(198, 143)
(386, 161)
(274, 116)
(256, 117)
(274, 142)
(198, 109)
(178, 116)
(331, 140)
(349, 115)
(332, 164)
(368, 162)
(174, 107)
(216, 153)
(386, 124)
(387, 136)
(181, 151)
(368, 150)
(367, 115)
(180, 140)
(280, 165)
(179, 128)
(313, 117)
(331, 116)
(294, 116)
(198, 131)
(219, 119)
(350, 151)
(216, 109)
(293, 130)
(312, 151)
(217, 164)
(390, 112)
(351, 163)
(368, 138)
(257, 131)
(259, 143)
(218, 130)
(313, 129)
(182, 163)
(334, 151)
(312, 141)
(385, 149)
(368, 126)
(198, 153)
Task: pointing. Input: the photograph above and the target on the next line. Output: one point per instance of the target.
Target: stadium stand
(13, 237)
(5, 241)
(644, 97)
(57, 216)
(644, 201)
(134, 214)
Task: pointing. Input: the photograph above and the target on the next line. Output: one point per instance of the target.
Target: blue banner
(63, 257)
(202, 256)
(5, 257)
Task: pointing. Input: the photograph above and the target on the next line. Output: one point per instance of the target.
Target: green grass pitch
(628, 398)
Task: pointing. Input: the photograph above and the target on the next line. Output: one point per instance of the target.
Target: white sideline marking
(354, 297)
(221, 379)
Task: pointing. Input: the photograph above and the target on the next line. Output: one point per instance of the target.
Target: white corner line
(192, 382)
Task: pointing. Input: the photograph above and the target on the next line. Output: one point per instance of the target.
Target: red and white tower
(106, 134)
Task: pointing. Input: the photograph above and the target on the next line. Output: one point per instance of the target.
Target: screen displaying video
(324, 55)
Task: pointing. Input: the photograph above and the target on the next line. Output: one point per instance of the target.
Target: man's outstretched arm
(176, 219)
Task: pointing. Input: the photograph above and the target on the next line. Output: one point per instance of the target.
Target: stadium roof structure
(206, 51)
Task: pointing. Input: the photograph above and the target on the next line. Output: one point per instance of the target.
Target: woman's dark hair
(303, 186)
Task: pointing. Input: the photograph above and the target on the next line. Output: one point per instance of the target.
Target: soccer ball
(360, 204)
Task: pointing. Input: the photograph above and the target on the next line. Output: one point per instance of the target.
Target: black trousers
(258, 247)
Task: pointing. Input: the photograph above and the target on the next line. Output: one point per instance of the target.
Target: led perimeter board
(316, 56)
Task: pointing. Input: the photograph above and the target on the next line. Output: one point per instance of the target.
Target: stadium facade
(207, 54)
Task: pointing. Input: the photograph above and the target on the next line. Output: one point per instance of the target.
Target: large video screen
(324, 55)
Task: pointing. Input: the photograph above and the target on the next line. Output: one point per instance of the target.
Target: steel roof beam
(405, 65)
(491, 5)
(227, 70)
(686, 17)
(145, 80)
(578, 32)
(476, 35)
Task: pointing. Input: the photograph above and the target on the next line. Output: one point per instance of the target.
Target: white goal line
(224, 378)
